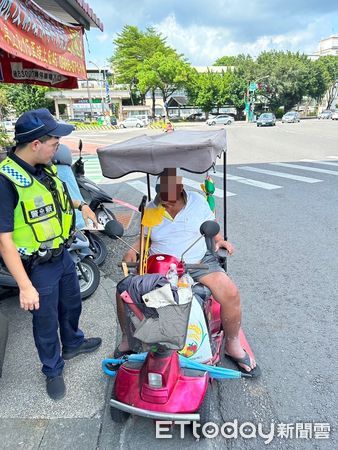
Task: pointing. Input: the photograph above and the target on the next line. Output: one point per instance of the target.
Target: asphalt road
(285, 265)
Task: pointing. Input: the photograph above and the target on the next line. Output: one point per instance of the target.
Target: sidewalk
(28, 418)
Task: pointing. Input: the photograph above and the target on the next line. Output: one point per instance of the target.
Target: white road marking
(142, 187)
(197, 185)
(326, 163)
(281, 174)
(309, 169)
(248, 181)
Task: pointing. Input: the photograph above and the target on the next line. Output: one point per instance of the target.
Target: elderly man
(36, 221)
(184, 213)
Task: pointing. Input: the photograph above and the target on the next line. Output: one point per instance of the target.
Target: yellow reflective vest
(43, 215)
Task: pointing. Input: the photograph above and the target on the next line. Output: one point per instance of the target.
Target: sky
(206, 30)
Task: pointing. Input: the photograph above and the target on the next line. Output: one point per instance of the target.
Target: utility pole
(101, 88)
(90, 101)
(250, 98)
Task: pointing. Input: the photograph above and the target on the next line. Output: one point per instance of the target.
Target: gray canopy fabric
(194, 151)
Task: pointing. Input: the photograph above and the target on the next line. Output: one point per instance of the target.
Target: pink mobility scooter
(183, 333)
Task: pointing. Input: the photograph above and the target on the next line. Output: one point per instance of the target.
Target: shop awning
(37, 48)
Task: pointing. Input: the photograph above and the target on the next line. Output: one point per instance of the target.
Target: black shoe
(56, 388)
(87, 346)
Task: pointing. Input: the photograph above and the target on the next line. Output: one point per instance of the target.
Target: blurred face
(171, 188)
(46, 150)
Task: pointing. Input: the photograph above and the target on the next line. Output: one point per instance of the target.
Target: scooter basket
(165, 326)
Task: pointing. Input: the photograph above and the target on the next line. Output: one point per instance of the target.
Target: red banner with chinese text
(36, 48)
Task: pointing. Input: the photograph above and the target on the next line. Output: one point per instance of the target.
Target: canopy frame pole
(148, 186)
(225, 262)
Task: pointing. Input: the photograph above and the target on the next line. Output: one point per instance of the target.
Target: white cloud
(202, 45)
(103, 37)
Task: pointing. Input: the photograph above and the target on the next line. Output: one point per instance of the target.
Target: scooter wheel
(117, 415)
(89, 277)
(205, 408)
(104, 215)
(99, 249)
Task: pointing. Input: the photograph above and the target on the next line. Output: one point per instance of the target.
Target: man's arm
(29, 297)
(131, 255)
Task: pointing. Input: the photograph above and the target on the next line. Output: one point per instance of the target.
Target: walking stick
(141, 209)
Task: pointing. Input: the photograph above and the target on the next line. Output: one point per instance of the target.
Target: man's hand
(87, 215)
(29, 298)
(224, 244)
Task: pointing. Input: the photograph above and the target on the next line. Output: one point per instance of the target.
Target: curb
(95, 127)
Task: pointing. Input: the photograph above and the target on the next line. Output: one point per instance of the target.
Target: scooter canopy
(193, 151)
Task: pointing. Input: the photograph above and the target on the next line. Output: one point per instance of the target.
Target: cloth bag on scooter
(169, 327)
(164, 321)
(197, 345)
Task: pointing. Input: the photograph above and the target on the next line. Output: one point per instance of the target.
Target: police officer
(36, 220)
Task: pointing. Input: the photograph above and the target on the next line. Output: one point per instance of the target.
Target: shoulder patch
(16, 177)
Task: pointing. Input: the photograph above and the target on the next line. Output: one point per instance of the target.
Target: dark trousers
(60, 307)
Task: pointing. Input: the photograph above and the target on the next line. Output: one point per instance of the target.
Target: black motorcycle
(91, 192)
(87, 271)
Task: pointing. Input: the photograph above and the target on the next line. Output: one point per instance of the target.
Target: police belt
(49, 256)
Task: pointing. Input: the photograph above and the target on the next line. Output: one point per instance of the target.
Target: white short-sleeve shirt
(174, 236)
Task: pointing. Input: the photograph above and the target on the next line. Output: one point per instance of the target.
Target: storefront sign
(36, 48)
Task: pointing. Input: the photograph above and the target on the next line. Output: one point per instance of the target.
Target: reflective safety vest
(43, 215)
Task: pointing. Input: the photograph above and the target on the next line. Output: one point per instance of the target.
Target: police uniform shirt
(9, 196)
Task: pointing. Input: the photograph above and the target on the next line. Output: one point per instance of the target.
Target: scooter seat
(201, 291)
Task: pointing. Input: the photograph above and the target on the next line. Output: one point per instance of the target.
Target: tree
(204, 90)
(132, 48)
(328, 65)
(3, 103)
(287, 78)
(164, 70)
(23, 97)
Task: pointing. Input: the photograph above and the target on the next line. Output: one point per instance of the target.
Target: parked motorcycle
(63, 161)
(87, 271)
(91, 192)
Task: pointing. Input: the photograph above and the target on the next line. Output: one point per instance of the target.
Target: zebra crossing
(278, 170)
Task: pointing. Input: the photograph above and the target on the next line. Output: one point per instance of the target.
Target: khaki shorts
(213, 266)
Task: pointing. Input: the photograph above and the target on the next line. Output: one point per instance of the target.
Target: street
(282, 218)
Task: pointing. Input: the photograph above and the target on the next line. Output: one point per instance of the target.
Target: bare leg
(226, 293)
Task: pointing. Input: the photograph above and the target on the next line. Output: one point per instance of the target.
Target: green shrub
(5, 140)
(279, 113)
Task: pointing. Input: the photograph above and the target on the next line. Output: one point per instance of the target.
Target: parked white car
(222, 119)
(335, 115)
(291, 117)
(144, 119)
(131, 122)
(8, 125)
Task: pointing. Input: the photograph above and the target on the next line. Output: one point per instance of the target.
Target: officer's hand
(130, 256)
(29, 298)
(88, 214)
